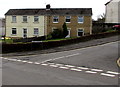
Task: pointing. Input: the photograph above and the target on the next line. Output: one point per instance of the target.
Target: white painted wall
(30, 25)
(2, 28)
(112, 12)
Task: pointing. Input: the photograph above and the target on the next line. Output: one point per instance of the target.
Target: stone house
(21, 23)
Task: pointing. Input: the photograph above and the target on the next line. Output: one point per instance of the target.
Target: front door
(68, 34)
(24, 33)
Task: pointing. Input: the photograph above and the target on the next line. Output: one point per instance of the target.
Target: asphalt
(67, 47)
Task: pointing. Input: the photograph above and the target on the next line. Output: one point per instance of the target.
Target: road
(94, 65)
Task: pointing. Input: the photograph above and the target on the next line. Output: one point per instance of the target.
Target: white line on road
(44, 64)
(36, 63)
(111, 72)
(69, 66)
(5, 58)
(24, 61)
(104, 74)
(53, 66)
(19, 60)
(73, 69)
(84, 68)
(98, 70)
(63, 67)
(73, 55)
(90, 72)
(59, 64)
(60, 57)
(30, 62)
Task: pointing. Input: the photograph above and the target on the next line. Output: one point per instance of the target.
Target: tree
(65, 31)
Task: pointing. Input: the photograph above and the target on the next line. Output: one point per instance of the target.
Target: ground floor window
(36, 31)
(14, 31)
(80, 32)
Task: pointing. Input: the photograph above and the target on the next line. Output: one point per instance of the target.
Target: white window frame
(36, 34)
(78, 31)
(56, 19)
(25, 19)
(36, 17)
(80, 18)
(15, 31)
(14, 19)
(68, 18)
(54, 28)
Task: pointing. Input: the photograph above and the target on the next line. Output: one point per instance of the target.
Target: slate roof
(52, 11)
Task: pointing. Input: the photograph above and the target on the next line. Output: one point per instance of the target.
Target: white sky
(97, 6)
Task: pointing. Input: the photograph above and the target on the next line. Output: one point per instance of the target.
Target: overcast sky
(97, 6)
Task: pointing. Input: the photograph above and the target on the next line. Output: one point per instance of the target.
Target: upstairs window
(36, 18)
(80, 19)
(13, 19)
(68, 19)
(14, 31)
(24, 18)
(55, 19)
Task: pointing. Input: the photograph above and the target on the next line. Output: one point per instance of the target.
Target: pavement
(67, 47)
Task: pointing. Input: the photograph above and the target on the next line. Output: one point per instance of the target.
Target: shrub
(65, 31)
(56, 34)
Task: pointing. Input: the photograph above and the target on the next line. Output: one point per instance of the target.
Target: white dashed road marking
(90, 72)
(30, 62)
(36, 63)
(116, 73)
(98, 70)
(84, 68)
(44, 64)
(63, 67)
(69, 67)
(73, 69)
(53, 66)
(110, 75)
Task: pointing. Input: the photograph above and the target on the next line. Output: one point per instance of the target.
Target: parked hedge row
(6, 48)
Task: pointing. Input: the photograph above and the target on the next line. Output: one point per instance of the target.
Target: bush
(65, 31)
(56, 34)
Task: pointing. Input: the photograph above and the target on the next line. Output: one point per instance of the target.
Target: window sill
(36, 35)
(13, 34)
(24, 22)
(80, 22)
(55, 22)
(68, 22)
(35, 22)
(13, 22)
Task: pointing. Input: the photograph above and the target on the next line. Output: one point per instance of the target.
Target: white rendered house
(112, 11)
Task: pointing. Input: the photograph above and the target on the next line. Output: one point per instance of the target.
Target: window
(24, 18)
(24, 32)
(68, 19)
(14, 31)
(14, 19)
(36, 18)
(55, 19)
(80, 19)
(36, 31)
(80, 32)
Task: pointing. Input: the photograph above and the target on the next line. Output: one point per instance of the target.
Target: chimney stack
(48, 7)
